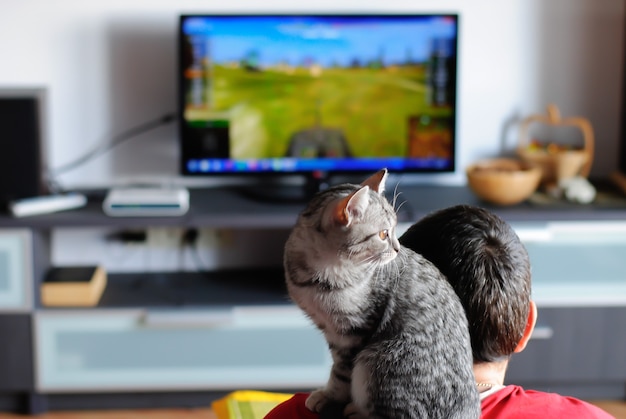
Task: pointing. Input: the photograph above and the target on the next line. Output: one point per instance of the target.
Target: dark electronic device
(619, 176)
(317, 95)
(22, 130)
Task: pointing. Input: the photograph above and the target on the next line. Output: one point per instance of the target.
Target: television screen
(317, 93)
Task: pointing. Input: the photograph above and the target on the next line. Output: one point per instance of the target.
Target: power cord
(189, 240)
(103, 148)
(190, 237)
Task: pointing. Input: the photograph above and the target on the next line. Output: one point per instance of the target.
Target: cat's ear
(377, 181)
(352, 206)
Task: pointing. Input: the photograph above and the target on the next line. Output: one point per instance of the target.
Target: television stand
(275, 192)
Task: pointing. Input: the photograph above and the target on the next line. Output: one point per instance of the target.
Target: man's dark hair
(489, 268)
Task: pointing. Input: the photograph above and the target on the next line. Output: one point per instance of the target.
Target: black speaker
(22, 131)
(619, 176)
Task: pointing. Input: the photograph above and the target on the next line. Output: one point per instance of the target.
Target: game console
(146, 202)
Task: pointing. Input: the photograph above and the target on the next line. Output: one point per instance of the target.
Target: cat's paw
(317, 400)
(320, 401)
(352, 412)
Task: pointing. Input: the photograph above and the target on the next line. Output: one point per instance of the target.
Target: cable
(103, 148)
(189, 241)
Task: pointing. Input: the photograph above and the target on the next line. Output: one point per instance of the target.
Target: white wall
(110, 65)
(579, 65)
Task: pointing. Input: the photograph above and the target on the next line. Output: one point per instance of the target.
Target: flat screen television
(317, 95)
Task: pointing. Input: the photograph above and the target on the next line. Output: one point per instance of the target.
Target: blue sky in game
(325, 40)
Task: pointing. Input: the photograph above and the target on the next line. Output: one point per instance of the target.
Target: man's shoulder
(293, 408)
(515, 402)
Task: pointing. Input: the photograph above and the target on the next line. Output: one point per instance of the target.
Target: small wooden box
(73, 286)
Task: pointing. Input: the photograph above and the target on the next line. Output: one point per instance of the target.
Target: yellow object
(75, 286)
(247, 404)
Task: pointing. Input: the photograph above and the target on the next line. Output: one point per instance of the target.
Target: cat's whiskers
(372, 258)
(400, 206)
(394, 202)
(392, 266)
(396, 194)
(349, 254)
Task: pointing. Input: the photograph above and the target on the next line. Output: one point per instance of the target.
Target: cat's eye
(383, 234)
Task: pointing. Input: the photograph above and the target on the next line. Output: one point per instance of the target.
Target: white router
(146, 202)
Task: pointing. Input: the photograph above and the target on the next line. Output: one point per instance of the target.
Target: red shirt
(512, 402)
(292, 409)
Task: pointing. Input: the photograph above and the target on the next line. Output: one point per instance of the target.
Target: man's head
(489, 268)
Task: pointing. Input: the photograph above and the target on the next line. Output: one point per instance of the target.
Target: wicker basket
(561, 164)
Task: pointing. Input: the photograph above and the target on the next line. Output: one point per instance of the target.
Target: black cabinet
(16, 353)
(579, 351)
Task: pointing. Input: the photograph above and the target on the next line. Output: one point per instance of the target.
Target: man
(489, 268)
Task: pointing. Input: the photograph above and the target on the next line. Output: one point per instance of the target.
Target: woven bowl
(503, 181)
(556, 166)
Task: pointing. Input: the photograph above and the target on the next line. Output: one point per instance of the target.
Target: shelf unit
(175, 340)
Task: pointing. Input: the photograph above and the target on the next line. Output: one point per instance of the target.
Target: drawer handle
(535, 235)
(542, 332)
(188, 318)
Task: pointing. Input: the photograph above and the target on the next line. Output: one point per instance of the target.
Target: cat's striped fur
(395, 328)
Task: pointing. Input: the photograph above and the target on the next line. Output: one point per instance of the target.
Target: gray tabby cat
(396, 330)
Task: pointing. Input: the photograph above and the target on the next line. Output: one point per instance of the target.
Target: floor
(617, 409)
(123, 414)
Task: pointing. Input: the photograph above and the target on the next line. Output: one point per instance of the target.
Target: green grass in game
(266, 108)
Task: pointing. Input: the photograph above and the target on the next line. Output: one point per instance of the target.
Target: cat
(396, 330)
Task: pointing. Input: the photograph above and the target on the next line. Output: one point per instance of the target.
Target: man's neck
(490, 372)
(489, 377)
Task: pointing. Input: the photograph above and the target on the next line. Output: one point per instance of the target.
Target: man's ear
(530, 326)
